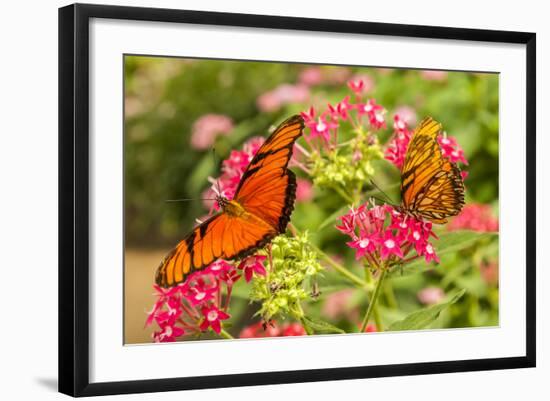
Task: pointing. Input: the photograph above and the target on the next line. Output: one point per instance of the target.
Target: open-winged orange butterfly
(431, 185)
(259, 211)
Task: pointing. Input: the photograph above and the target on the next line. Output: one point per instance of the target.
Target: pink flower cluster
(283, 94)
(383, 233)
(201, 302)
(397, 146)
(272, 329)
(323, 126)
(207, 128)
(476, 217)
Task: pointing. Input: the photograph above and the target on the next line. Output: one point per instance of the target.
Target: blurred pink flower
(207, 128)
(337, 75)
(430, 295)
(361, 84)
(293, 329)
(261, 329)
(434, 75)
(337, 304)
(476, 217)
(371, 328)
(406, 114)
(489, 271)
(304, 190)
(272, 329)
(281, 95)
(311, 76)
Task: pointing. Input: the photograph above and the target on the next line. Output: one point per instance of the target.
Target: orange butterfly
(431, 185)
(259, 211)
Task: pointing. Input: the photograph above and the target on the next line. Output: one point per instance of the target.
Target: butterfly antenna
(388, 199)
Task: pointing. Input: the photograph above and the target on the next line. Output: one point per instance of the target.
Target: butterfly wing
(221, 236)
(431, 185)
(265, 199)
(268, 189)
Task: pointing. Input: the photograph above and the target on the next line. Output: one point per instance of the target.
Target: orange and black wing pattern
(431, 185)
(259, 211)
(267, 188)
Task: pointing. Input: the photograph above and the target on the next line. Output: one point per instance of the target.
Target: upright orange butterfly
(259, 211)
(431, 185)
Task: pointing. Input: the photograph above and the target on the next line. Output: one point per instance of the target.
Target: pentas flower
(195, 305)
(451, 149)
(476, 217)
(385, 235)
(252, 264)
(341, 110)
(212, 318)
(374, 112)
(321, 128)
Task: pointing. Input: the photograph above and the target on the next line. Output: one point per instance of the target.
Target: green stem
(343, 194)
(373, 300)
(225, 334)
(342, 270)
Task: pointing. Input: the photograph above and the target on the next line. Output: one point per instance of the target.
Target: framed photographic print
(280, 199)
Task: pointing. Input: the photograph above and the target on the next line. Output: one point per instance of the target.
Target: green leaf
(331, 220)
(320, 326)
(424, 317)
(448, 242)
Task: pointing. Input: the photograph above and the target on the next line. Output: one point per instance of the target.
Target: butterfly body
(259, 211)
(432, 187)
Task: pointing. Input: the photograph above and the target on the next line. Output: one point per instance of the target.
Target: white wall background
(28, 201)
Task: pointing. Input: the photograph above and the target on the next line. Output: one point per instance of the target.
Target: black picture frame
(74, 198)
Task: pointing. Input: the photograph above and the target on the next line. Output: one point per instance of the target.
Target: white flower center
(368, 107)
(321, 126)
(389, 243)
(429, 249)
(416, 235)
(379, 117)
(403, 224)
(400, 124)
(212, 316)
(364, 243)
(200, 295)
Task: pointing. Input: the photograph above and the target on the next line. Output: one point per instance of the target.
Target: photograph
(273, 199)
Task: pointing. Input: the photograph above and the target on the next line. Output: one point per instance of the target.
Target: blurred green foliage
(165, 96)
